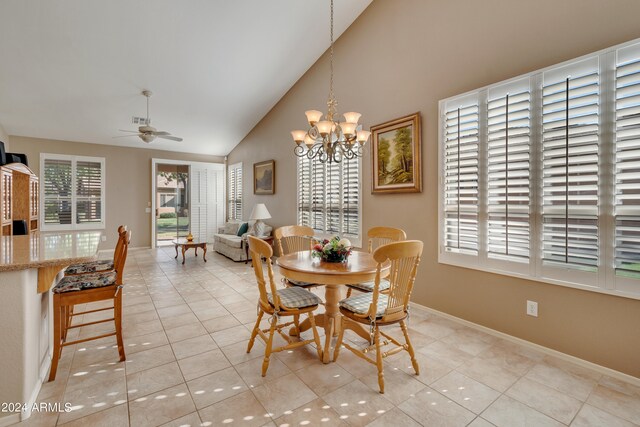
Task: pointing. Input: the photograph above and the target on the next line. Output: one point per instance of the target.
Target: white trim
(103, 197)
(546, 350)
(154, 162)
(605, 279)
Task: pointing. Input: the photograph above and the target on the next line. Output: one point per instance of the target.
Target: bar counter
(29, 266)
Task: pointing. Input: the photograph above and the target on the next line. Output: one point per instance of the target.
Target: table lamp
(259, 213)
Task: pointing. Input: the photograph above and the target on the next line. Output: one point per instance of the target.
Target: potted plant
(334, 250)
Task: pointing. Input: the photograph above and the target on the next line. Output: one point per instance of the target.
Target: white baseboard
(21, 416)
(585, 363)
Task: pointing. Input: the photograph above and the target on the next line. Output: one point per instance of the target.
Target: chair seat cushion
(85, 281)
(360, 304)
(299, 283)
(90, 267)
(368, 286)
(295, 298)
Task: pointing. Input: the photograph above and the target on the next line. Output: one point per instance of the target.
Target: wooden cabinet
(19, 197)
(7, 205)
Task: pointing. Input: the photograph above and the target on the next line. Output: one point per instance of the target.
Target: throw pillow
(231, 228)
(243, 228)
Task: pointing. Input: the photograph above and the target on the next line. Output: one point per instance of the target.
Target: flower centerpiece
(334, 250)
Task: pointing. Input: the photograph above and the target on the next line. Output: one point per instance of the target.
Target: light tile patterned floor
(186, 330)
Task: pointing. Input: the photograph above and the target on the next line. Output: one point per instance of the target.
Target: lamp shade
(260, 212)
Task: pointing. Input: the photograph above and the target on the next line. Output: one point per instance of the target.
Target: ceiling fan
(147, 133)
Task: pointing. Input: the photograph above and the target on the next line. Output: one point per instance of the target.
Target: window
(234, 200)
(329, 197)
(73, 192)
(540, 175)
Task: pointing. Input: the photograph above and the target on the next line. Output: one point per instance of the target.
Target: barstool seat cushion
(90, 267)
(368, 286)
(360, 304)
(295, 298)
(85, 281)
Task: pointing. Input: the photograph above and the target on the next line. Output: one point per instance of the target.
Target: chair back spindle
(259, 248)
(405, 258)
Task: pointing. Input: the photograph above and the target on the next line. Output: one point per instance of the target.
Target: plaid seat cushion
(85, 281)
(90, 267)
(295, 298)
(299, 284)
(360, 304)
(368, 286)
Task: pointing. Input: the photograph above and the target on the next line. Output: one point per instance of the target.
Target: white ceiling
(74, 69)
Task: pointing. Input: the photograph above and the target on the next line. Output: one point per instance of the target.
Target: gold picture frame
(395, 156)
(264, 177)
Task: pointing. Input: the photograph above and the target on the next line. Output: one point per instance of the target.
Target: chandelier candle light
(328, 139)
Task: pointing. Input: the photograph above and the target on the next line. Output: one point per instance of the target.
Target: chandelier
(328, 139)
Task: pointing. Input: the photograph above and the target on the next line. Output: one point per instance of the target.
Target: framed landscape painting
(396, 156)
(264, 177)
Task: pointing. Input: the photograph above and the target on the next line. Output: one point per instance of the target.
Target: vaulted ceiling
(74, 69)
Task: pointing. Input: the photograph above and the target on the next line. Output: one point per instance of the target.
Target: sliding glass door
(172, 202)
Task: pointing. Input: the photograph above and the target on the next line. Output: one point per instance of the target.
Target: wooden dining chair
(378, 236)
(294, 238)
(279, 303)
(376, 309)
(100, 265)
(87, 288)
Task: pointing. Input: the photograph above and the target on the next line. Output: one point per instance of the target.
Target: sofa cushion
(243, 229)
(229, 240)
(231, 228)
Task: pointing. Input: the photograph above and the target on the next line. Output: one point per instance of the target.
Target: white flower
(345, 243)
(327, 247)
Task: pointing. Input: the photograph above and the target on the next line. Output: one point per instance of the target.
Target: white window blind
(570, 127)
(627, 183)
(329, 197)
(207, 200)
(540, 175)
(508, 143)
(234, 198)
(461, 129)
(73, 192)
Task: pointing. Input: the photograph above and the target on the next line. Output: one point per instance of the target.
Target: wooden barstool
(87, 288)
(98, 266)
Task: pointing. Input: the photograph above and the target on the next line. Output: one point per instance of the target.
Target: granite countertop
(44, 249)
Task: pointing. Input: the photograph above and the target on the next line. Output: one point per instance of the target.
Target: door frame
(189, 163)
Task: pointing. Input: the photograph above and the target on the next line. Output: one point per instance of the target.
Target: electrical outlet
(532, 308)
(103, 238)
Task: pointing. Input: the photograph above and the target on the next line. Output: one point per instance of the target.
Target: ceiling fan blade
(172, 138)
(158, 133)
(132, 131)
(123, 136)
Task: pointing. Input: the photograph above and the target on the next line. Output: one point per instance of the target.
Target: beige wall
(128, 180)
(4, 137)
(403, 56)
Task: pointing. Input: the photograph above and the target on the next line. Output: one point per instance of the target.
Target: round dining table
(301, 266)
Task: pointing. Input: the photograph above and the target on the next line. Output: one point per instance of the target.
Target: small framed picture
(395, 156)
(264, 177)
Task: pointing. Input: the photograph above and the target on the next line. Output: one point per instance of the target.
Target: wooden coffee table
(185, 245)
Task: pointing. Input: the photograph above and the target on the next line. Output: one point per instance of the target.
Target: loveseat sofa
(230, 244)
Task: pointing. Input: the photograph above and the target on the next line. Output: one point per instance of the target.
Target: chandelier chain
(331, 103)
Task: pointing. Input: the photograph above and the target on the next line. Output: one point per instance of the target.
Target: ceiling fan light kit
(148, 133)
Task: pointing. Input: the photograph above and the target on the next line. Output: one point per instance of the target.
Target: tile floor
(186, 330)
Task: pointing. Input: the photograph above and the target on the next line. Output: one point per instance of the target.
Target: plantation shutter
(57, 191)
(89, 192)
(235, 191)
(304, 191)
(329, 196)
(627, 172)
(570, 98)
(351, 197)
(461, 138)
(508, 140)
